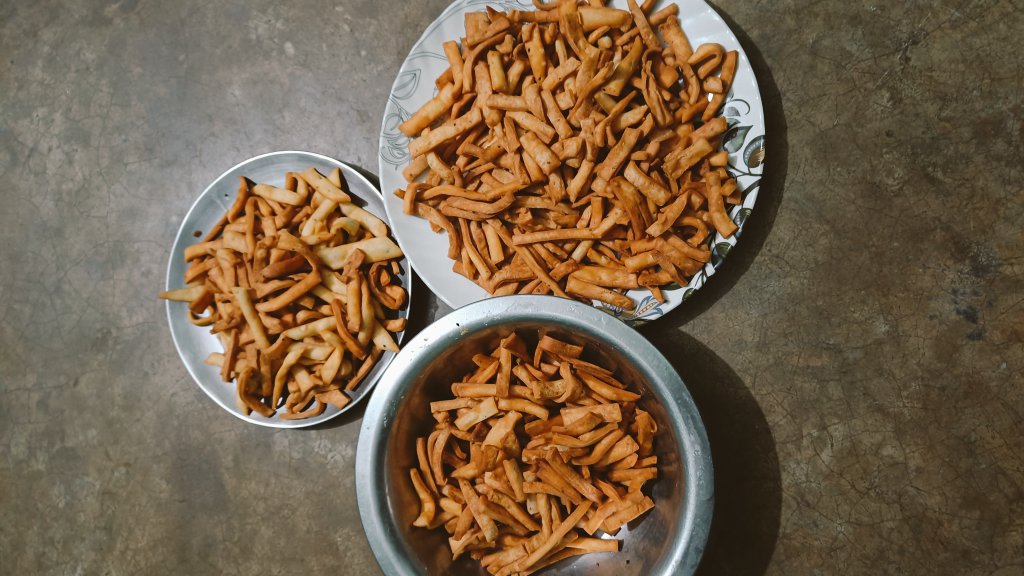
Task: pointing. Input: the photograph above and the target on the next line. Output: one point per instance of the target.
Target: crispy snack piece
(580, 132)
(518, 488)
(264, 279)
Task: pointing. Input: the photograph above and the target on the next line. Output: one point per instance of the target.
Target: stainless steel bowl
(668, 540)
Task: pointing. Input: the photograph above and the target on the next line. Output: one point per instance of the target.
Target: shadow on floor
(369, 175)
(757, 227)
(748, 492)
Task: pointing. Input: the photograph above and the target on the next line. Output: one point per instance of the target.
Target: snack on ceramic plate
(572, 150)
(537, 452)
(295, 282)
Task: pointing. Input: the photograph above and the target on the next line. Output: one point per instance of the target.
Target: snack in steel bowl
(573, 150)
(299, 284)
(537, 453)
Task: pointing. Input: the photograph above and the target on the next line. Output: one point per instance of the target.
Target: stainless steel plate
(667, 541)
(195, 343)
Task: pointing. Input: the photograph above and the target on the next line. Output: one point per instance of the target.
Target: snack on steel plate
(295, 282)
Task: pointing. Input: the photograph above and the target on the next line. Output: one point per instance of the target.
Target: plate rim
(383, 363)
(637, 318)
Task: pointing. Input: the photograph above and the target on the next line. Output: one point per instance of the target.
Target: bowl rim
(698, 503)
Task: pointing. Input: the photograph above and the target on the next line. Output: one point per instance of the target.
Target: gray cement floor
(858, 361)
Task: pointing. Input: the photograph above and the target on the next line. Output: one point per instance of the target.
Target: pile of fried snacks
(299, 284)
(537, 451)
(572, 150)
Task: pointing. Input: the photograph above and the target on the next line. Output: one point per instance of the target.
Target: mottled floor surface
(858, 361)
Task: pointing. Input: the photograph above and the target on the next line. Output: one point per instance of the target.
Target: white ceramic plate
(195, 343)
(414, 85)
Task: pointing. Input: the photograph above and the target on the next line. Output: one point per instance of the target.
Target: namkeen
(300, 285)
(537, 453)
(571, 150)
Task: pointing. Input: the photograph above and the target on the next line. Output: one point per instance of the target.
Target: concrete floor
(858, 361)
